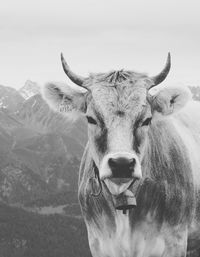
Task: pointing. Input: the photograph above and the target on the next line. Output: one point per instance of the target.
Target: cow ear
(170, 100)
(64, 99)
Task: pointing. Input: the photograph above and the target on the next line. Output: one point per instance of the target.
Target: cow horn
(71, 75)
(163, 74)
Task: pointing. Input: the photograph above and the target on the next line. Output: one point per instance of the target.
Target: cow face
(119, 111)
(118, 120)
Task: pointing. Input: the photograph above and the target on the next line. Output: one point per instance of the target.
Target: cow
(139, 178)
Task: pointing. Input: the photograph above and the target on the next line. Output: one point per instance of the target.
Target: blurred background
(40, 152)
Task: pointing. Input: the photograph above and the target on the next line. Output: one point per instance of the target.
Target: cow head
(119, 111)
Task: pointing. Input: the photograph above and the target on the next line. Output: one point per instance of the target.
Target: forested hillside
(40, 154)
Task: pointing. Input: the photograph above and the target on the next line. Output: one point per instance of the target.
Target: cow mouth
(117, 186)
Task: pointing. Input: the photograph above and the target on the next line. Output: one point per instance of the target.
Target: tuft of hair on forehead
(114, 77)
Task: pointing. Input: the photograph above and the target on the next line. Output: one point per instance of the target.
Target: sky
(98, 36)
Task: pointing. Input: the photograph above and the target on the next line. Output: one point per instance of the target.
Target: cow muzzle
(120, 170)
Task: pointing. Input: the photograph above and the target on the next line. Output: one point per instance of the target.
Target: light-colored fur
(145, 241)
(187, 123)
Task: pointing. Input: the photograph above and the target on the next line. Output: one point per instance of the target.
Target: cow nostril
(132, 163)
(112, 163)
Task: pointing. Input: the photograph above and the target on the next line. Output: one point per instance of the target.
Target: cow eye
(91, 120)
(146, 122)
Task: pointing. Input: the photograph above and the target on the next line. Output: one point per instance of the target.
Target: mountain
(47, 143)
(40, 154)
(37, 143)
(29, 89)
(10, 98)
